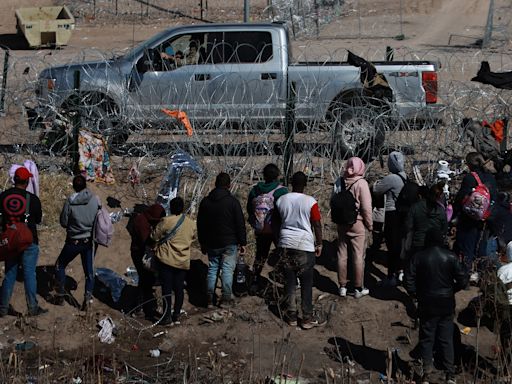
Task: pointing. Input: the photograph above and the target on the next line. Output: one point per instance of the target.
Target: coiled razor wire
(244, 148)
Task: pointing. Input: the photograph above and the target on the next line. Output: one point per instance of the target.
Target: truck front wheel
(356, 131)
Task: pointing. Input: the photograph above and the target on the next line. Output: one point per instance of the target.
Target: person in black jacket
(18, 205)
(221, 234)
(471, 235)
(434, 276)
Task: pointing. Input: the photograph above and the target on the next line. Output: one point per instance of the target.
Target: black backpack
(344, 206)
(407, 197)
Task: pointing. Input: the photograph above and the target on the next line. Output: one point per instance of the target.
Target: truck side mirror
(150, 61)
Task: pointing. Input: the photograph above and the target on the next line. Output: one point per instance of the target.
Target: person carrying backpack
(391, 185)
(260, 208)
(472, 231)
(18, 205)
(353, 233)
(77, 217)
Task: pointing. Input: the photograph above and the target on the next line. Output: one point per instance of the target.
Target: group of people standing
(415, 235)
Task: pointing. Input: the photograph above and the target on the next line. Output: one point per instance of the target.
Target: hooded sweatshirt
(143, 223)
(220, 220)
(392, 184)
(78, 214)
(354, 179)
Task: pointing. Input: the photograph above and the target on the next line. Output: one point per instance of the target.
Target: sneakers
(38, 311)
(401, 276)
(360, 293)
(343, 291)
(167, 320)
(450, 379)
(292, 321)
(474, 277)
(312, 323)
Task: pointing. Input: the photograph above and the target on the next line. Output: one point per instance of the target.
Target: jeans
(263, 244)
(73, 248)
(221, 260)
(145, 285)
(29, 262)
(470, 242)
(299, 264)
(172, 279)
(439, 330)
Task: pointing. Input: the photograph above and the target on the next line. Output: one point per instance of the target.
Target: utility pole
(488, 27)
(246, 11)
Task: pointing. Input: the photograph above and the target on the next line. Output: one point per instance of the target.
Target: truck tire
(356, 131)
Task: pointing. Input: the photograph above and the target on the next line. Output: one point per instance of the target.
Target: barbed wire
(243, 145)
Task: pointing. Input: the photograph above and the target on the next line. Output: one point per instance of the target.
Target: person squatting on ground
(77, 217)
(261, 202)
(140, 232)
(471, 236)
(425, 214)
(433, 276)
(300, 238)
(174, 235)
(221, 234)
(391, 185)
(18, 205)
(354, 237)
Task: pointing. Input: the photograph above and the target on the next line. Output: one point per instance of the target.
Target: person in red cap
(17, 204)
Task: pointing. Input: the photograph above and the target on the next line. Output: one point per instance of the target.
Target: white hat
(443, 170)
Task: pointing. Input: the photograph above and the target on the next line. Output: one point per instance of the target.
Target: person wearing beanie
(390, 186)
(77, 217)
(140, 231)
(354, 236)
(18, 205)
(222, 235)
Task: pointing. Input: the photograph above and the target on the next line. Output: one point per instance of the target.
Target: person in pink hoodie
(354, 236)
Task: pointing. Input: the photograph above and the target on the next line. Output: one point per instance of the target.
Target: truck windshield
(139, 49)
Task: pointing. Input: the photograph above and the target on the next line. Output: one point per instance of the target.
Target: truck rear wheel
(356, 131)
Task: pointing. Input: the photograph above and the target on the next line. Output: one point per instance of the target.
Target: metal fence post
(76, 121)
(488, 26)
(289, 131)
(3, 90)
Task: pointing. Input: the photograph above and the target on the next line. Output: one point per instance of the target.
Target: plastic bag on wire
(169, 186)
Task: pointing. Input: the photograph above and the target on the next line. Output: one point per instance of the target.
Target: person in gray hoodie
(77, 216)
(391, 185)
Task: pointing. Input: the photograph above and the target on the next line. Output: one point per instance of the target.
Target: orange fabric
(497, 129)
(182, 117)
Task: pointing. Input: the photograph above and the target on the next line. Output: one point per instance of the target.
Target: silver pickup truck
(233, 73)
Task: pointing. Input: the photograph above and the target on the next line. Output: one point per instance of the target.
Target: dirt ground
(250, 341)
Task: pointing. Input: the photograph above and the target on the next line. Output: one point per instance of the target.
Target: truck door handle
(268, 76)
(202, 77)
